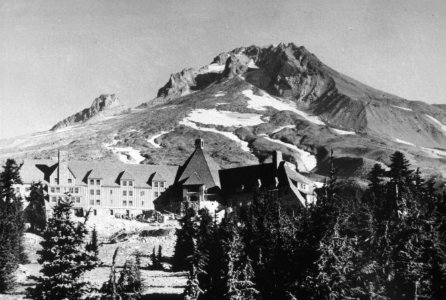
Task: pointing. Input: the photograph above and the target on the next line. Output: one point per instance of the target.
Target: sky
(57, 56)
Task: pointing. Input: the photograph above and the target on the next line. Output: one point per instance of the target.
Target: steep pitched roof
(194, 179)
(249, 176)
(34, 170)
(201, 163)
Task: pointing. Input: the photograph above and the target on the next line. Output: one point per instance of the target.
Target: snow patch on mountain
(212, 68)
(219, 94)
(283, 127)
(404, 142)
(261, 102)
(152, 139)
(441, 125)
(436, 153)
(342, 132)
(403, 108)
(307, 161)
(128, 155)
(224, 118)
(243, 145)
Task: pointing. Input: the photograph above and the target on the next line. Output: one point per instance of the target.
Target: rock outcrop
(104, 105)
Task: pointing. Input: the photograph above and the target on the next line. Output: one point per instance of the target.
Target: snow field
(128, 155)
(342, 132)
(307, 160)
(224, 118)
(283, 127)
(434, 152)
(229, 135)
(403, 108)
(261, 102)
(151, 140)
(441, 125)
(404, 142)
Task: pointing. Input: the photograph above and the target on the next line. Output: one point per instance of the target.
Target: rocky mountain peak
(104, 105)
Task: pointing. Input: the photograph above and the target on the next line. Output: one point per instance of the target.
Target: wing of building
(118, 188)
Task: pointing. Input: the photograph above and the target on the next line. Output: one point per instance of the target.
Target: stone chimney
(199, 143)
(62, 169)
(277, 158)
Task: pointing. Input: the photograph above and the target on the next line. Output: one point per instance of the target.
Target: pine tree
(129, 284)
(93, 246)
(184, 244)
(193, 288)
(11, 225)
(35, 212)
(159, 258)
(63, 257)
(109, 289)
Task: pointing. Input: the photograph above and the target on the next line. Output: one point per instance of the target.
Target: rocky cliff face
(104, 105)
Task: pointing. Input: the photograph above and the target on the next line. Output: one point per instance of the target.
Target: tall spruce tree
(11, 225)
(63, 257)
(35, 212)
(184, 245)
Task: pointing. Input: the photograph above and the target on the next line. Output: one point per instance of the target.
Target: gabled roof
(35, 170)
(248, 177)
(194, 179)
(200, 163)
(126, 175)
(158, 177)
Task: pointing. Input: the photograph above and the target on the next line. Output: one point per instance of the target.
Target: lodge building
(126, 189)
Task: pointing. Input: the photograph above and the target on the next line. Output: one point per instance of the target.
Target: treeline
(389, 244)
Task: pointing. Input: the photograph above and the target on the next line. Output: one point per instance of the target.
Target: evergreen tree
(159, 258)
(35, 212)
(193, 288)
(184, 244)
(11, 225)
(93, 246)
(63, 257)
(129, 284)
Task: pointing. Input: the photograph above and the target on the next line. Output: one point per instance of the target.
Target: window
(155, 183)
(91, 192)
(161, 184)
(124, 203)
(78, 199)
(156, 194)
(53, 199)
(142, 193)
(92, 181)
(302, 186)
(53, 190)
(56, 180)
(76, 190)
(124, 193)
(111, 212)
(124, 183)
(98, 182)
(111, 201)
(111, 192)
(98, 192)
(130, 183)
(130, 203)
(58, 190)
(91, 202)
(98, 202)
(142, 203)
(130, 193)
(70, 180)
(71, 190)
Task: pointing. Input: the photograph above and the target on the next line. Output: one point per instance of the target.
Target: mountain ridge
(249, 102)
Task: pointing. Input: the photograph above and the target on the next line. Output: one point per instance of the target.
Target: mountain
(248, 102)
(103, 106)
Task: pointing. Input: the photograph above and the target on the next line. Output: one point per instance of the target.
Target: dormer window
(98, 182)
(91, 181)
(130, 183)
(70, 180)
(155, 183)
(124, 183)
